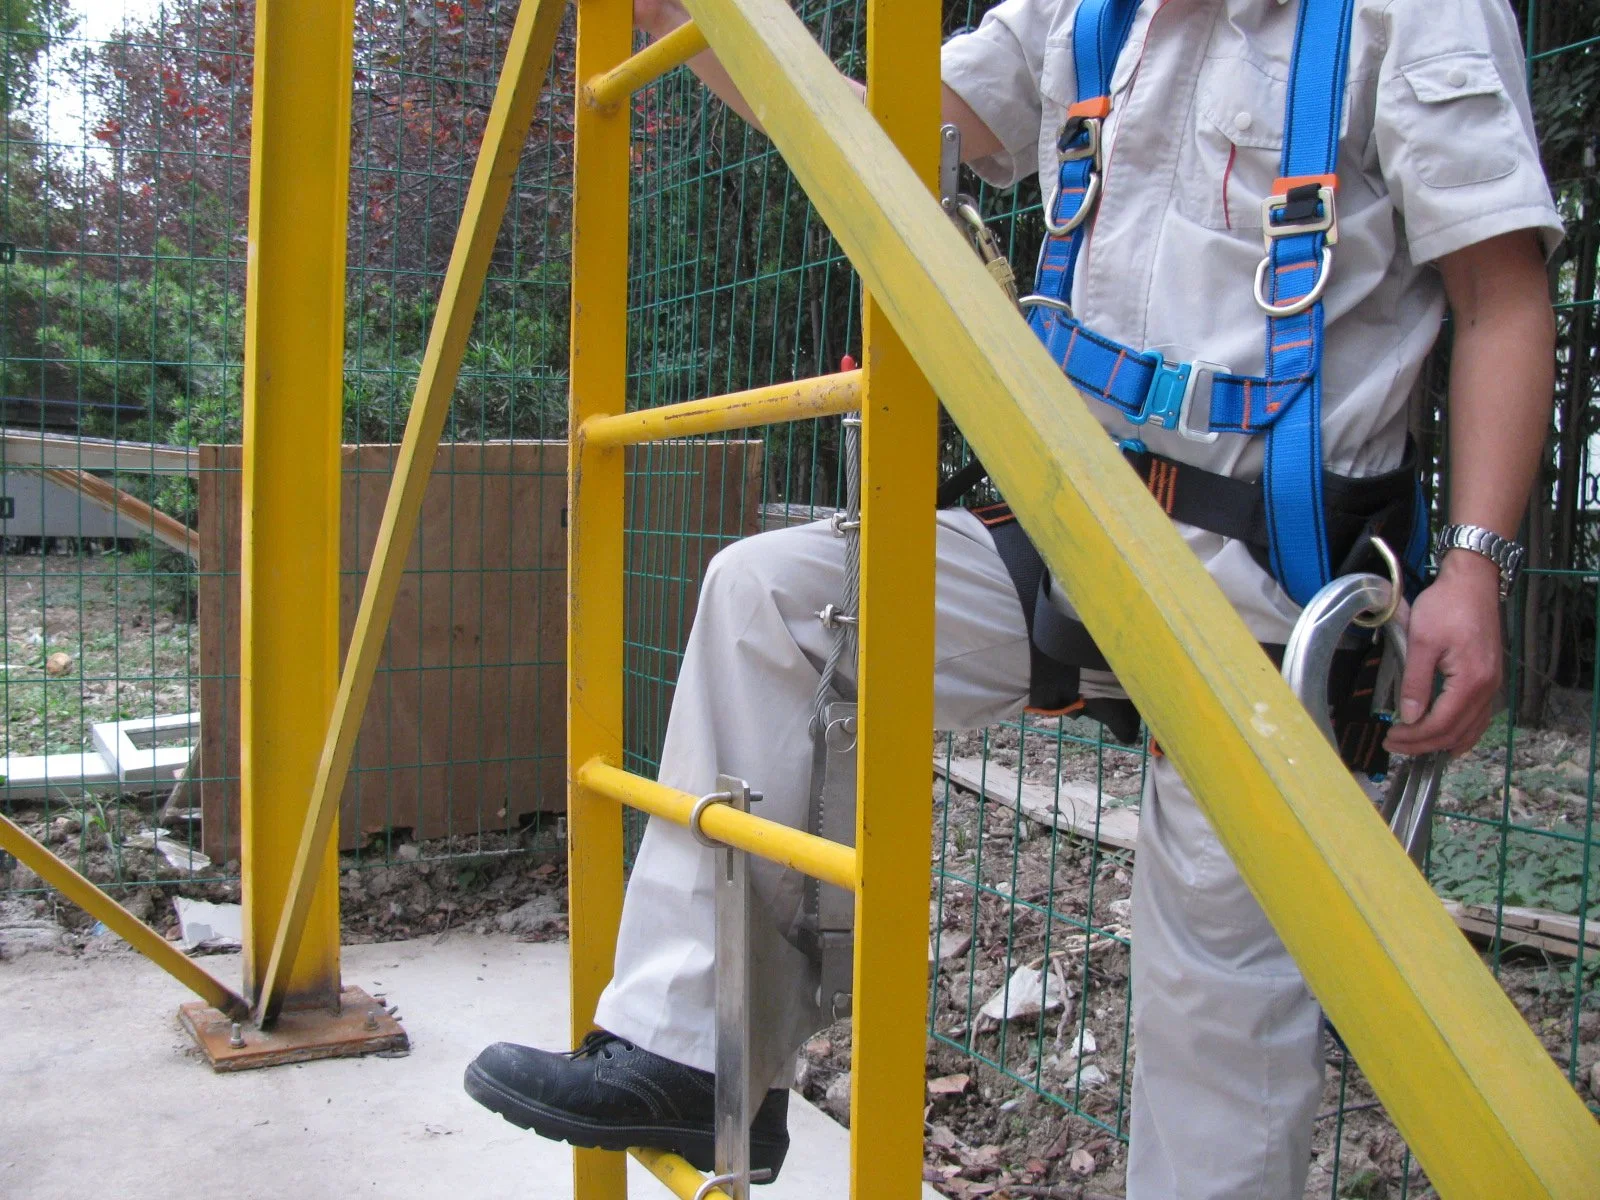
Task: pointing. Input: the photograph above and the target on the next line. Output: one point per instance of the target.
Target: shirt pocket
(1057, 88)
(1226, 167)
(1456, 119)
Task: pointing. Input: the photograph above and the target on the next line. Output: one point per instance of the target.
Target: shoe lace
(599, 1042)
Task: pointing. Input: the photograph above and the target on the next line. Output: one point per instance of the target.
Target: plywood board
(465, 728)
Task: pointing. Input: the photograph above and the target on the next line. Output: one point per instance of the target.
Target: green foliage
(28, 27)
(1472, 863)
(148, 354)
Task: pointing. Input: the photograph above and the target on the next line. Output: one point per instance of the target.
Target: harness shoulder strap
(1300, 227)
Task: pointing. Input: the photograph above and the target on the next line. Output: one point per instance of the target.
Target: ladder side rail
(894, 825)
(598, 385)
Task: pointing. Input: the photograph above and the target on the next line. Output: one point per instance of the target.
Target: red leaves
(109, 131)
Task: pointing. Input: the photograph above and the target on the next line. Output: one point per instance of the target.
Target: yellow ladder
(1468, 1084)
(888, 868)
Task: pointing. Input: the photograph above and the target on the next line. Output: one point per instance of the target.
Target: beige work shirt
(1437, 152)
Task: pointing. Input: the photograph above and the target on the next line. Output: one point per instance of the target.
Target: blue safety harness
(1302, 523)
(1201, 400)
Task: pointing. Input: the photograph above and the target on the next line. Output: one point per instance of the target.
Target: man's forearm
(1501, 378)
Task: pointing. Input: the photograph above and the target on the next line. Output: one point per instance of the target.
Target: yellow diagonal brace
(119, 920)
(1468, 1084)
(521, 80)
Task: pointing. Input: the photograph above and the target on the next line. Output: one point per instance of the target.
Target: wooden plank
(1077, 808)
(25, 448)
(464, 727)
(169, 531)
(1540, 928)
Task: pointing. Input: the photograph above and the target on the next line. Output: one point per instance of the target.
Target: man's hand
(658, 17)
(1454, 631)
(1500, 399)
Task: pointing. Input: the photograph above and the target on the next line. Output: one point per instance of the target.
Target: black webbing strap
(1358, 509)
(1060, 647)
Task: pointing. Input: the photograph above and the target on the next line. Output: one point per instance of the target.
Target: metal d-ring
(1293, 307)
(716, 1181)
(1396, 589)
(699, 811)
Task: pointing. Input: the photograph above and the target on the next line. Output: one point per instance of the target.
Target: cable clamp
(831, 617)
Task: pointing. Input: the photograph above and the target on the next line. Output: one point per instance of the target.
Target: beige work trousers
(1229, 1067)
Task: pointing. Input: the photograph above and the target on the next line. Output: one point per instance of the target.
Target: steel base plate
(359, 1027)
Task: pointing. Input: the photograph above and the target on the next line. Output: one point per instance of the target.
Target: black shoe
(609, 1095)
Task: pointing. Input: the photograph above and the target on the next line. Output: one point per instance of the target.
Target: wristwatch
(1502, 552)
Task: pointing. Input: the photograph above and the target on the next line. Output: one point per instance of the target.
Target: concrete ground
(102, 1095)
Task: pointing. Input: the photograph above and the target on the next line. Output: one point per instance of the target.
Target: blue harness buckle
(1170, 402)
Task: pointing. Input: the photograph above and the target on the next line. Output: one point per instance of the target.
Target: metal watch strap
(1502, 552)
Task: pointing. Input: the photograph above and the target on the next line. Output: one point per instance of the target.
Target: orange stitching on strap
(1292, 345)
(1121, 354)
(1246, 423)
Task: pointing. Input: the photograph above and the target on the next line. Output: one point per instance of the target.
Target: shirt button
(1243, 121)
(1457, 77)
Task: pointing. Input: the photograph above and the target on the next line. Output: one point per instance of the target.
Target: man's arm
(660, 17)
(1501, 382)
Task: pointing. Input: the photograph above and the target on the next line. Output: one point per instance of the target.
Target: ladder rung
(605, 92)
(805, 852)
(799, 400)
(682, 1180)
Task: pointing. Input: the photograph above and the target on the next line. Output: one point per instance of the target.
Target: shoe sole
(696, 1145)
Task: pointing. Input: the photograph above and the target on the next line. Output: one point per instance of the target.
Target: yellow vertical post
(594, 538)
(293, 387)
(893, 827)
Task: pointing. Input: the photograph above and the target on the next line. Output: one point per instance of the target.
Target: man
(1441, 199)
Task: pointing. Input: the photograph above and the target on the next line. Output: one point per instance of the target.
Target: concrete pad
(101, 1094)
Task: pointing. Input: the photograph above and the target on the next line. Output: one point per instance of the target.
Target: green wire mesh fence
(124, 164)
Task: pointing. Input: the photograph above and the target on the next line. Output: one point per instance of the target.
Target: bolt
(236, 1036)
(372, 1018)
